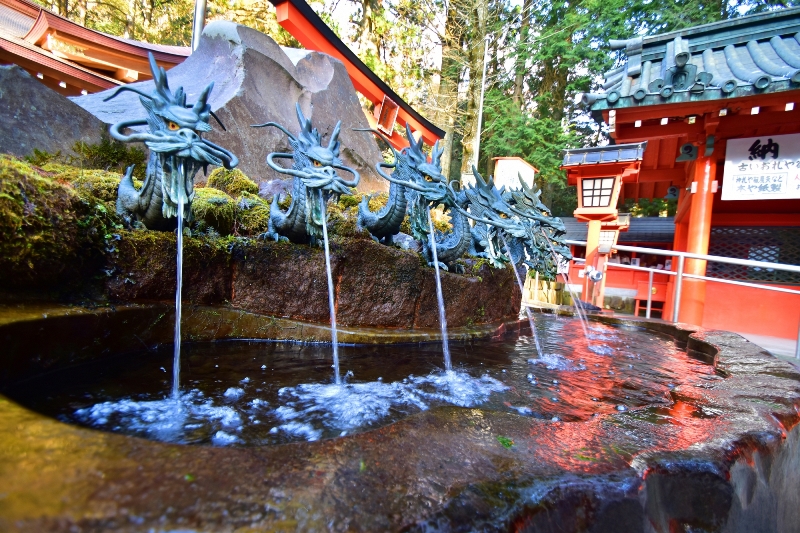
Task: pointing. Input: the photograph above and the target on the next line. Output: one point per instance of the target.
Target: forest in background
(541, 54)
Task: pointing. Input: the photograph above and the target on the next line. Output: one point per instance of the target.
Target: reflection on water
(255, 393)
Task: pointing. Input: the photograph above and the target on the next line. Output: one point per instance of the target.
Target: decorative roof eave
(615, 153)
(58, 68)
(47, 22)
(752, 55)
(599, 105)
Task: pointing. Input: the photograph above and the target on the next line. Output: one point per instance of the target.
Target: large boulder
(41, 118)
(257, 81)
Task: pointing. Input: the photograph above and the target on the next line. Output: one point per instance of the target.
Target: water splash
(176, 365)
(310, 409)
(522, 291)
(331, 303)
(169, 419)
(442, 316)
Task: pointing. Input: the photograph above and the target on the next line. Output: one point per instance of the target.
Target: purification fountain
(634, 426)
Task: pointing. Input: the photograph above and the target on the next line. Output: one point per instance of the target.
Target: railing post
(678, 286)
(649, 294)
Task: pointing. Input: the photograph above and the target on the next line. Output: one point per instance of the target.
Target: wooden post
(697, 237)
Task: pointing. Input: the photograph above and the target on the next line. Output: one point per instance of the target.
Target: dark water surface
(246, 393)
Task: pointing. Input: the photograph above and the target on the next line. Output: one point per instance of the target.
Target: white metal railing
(680, 275)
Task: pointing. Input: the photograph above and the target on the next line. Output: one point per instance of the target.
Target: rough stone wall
(375, 286)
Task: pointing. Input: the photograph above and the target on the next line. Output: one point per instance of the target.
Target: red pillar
(693, 294)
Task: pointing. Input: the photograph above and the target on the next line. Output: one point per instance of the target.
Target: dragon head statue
(316, 165)
(413, 170)
(174, 135)
(487, 205)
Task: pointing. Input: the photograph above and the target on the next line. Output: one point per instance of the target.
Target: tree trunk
(475, 56)
(522, 51)
(447, 100)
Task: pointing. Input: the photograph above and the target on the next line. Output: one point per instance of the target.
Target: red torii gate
(306, 26)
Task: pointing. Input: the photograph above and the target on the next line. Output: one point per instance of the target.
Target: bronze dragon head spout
(174, 134)
(414, 171)
(316, 165)
(487, 205)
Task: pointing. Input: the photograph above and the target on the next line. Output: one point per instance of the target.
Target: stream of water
(442, 316)
(575, 301)
(176, 365)
(331, 303)
(522, 291)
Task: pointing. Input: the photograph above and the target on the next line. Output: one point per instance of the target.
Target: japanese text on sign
(762, 168)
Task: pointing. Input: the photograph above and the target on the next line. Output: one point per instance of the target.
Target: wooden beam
(627, 133)
(662, 174)
(39, 61)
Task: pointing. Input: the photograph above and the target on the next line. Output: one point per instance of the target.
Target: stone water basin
(711, 444)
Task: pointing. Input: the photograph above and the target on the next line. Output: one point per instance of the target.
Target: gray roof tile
(739, 57)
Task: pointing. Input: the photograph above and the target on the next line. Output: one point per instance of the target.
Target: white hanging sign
(762, 168)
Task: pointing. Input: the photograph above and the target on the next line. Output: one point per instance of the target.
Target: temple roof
(641, 230)
(740, 57)
(615, 153)
(70, 58)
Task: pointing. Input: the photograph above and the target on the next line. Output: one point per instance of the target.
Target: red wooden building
(719, 108)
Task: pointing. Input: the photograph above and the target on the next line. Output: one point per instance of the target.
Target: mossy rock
(48, 232)
(213, 208)
(233, 182)
(252, 214)
(93, 183)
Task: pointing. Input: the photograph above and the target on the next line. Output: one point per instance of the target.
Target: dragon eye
(428, 178)
(503, 215)
(316, 163)
(172, 126)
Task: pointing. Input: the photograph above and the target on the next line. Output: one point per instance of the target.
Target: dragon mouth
(181, 156)
(177, 183)
(326, 179)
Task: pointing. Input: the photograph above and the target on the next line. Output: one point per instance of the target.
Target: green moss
(285, 201)
(213, 208)
(48, 232)
(233, 182)
(88, 183)
(108, 154)
(252, 215)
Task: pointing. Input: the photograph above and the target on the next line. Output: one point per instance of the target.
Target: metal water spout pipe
(199, 22)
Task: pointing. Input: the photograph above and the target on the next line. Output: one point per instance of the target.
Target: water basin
(253, 393)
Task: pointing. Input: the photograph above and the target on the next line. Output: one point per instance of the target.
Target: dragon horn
(333, 143)
(160, 78)
(409, 134)
(436, 154)
(202, 100)
(478, 178)
(522, 181)
(305, 124)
